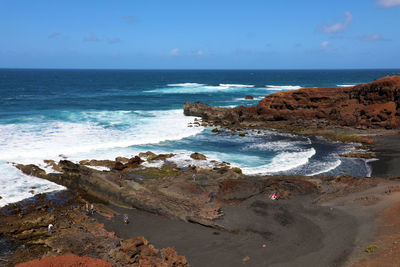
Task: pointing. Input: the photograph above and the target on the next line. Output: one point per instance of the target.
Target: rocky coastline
(221, 198)
(337, 113)
(77, 237)
(319, 220)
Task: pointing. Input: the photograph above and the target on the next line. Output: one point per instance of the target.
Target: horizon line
(200, 69)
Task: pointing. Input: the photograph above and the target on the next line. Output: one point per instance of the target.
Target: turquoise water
(85, 114)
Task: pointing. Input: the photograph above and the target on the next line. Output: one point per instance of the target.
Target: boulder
(134, 162)
(198, 156)
(122, 159)
(119, 166)
(147, 154)
(249, 97)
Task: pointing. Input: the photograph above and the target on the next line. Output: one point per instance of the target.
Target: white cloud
(199, 52)
(324, 44)
(129, 19)
(372, 38)
(54, 35)
(114, 41)
(174, 52)
(92, 38)
(338, 27)
(388, 3)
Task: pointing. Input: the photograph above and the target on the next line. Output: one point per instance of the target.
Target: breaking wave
(282, 87)
(282, 162)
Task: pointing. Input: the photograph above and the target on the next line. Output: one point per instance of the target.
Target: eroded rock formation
(371, 105)
(77, 239)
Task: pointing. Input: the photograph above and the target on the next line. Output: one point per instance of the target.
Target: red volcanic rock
(134, 162)
(119, 166)
(66, 260)
(370, 105)
(138, 252)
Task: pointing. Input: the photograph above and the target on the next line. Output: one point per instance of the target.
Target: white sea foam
(236, 85)
(182, 159)
(185, 84)
(99, 168)
(345, 85)
(282, 87)
(154, 164)
(212, 88)
(15, 186)
(325, 167)
(86, 135)
(197, 88)
(368, 167)
(279, 145)
(27, 142)
(282, 162)
(229, 106)
(254, 99)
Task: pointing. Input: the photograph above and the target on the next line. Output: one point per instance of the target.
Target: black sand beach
(387, 148)
(294, 232)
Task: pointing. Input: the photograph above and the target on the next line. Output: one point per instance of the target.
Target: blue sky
(218, 34)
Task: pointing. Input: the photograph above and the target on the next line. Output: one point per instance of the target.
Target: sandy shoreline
(387, 148)
(333, 233)
(294, 231)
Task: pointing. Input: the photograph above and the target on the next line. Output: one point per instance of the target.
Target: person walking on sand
(274, 196)
(50, 228)
(87, 208)
(126, 220)
(91, 209)
(194, 173)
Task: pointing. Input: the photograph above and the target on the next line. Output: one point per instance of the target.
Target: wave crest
(282, 87)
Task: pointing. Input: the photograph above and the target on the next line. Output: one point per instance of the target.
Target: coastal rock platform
(334, 112)
(316, 220)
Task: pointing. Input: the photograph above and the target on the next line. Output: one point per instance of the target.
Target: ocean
(102, 114)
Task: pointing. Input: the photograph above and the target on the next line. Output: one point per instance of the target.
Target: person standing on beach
(194, 173)
(50, 228)
(91, 209)
(87, 208)
(126, 220)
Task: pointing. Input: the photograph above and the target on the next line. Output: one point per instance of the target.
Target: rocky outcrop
(189, 194)
(210, 197)
(169, 191)
(371, 105)
(138, 252)
(65, 260)
(77, 240)
(198, 156)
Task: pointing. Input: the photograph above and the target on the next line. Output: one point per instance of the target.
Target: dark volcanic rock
(119, 166)
(198, 156)
(169, 191)
(76, 236)
(249, 97)
(134, 162)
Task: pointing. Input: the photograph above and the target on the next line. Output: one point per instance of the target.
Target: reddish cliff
(370, 105)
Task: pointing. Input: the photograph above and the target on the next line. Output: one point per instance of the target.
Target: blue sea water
(102, 114)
